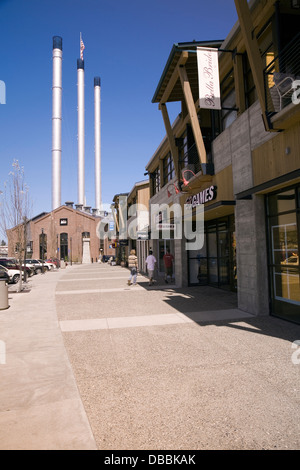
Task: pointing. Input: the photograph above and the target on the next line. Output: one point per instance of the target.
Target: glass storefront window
(215, 264)
(283, 222)
(286, 285)
(212, 243)
(282, 202)
(198, 271)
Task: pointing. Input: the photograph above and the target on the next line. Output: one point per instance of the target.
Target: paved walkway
(91, 363)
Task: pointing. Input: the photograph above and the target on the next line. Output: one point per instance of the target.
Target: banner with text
(208, 76)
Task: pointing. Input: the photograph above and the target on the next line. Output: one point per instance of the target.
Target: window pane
(198, 253)
(224, 271)
(284, 239)
(212, 244)
(223, 243)
(198, 271)
(282, 202)
(213, 270)
(286, 284)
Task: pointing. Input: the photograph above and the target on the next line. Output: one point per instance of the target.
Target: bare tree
(15, 212)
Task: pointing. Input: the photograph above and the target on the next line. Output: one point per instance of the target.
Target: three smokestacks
(56, 131)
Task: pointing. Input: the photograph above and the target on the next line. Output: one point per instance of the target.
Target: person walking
(150, 262)
(133, 266)
(168, 259)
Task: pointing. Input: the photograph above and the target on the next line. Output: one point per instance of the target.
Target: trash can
(3, 294)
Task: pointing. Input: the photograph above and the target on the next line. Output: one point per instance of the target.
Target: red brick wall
(78, 222)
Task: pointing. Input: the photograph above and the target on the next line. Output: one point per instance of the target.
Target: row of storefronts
(240, 164)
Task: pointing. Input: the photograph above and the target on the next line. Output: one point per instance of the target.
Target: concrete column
(252, 271)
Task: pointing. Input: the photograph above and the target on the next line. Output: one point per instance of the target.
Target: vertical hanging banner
(208, 77)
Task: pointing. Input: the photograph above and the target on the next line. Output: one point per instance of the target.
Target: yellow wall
(277, 157)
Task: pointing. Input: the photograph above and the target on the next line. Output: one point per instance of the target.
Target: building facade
(132, 223)
(65, 233)
(240, 163)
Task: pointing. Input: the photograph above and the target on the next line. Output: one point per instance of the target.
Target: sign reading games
(204, 196)
(208, 76)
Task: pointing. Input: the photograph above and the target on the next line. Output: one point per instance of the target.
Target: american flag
(82, 47)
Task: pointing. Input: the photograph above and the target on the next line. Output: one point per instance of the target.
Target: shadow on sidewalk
(199, 303)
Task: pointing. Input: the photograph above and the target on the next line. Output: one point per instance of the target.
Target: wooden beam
(192, 114)
(171, 138)
(174, 77)
(247, 28)
(239, 83)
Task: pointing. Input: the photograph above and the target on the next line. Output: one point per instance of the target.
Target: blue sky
(127, 44)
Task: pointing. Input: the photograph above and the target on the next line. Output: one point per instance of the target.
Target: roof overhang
(180, 50)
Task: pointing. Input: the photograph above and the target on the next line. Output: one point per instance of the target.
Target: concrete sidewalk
(40, 407)
(92, 363)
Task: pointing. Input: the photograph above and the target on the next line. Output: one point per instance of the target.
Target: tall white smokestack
(56, 121)
(97, 102)
(80, 97)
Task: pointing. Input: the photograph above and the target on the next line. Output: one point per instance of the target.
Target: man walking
(133, 266)
(150, 262)
(168, 262)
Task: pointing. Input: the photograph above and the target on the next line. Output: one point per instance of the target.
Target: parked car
(54, 261)
(35, 264)
(108, 258)
(11, 263)
(293, 259)
(47, 264)
(14, 275)
(4, 274)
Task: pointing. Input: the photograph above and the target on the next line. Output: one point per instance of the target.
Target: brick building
(69, 234)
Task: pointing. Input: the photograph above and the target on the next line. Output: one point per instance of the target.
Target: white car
(14, 274)
(47, 264)
(35, 264)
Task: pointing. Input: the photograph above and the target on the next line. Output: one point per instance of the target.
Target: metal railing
(279, 77)
(190, 161)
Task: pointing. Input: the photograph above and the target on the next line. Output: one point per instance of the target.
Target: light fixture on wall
(295, 3)
(185, 181)
(175, 187)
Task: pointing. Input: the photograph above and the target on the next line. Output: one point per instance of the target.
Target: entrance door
(43, 246)
(64, 246)
(215, 263)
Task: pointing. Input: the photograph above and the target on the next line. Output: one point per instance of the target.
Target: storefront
(215, 263)
(283, 222)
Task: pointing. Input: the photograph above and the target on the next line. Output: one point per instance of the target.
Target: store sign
(165, 226)
(208, 77)
(142, 235)
(203, 197)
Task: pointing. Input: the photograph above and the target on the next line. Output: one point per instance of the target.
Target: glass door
(64, 246)
(215, 263)
(223, 255)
